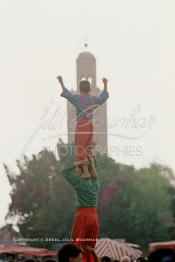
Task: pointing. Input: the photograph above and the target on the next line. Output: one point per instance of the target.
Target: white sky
(133, 42)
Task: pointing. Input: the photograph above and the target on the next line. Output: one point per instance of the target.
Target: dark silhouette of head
(125, 259)
(106, 259)
(30, 260)
(69, 253)
(162, 255)
(84, 87)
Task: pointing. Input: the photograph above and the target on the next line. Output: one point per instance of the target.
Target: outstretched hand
(60, 79)
(81, 162)
(105, 81)
(87, 249)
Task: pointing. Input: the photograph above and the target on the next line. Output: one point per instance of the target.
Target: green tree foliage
(140, 209)
(133, 204)
(41, 200)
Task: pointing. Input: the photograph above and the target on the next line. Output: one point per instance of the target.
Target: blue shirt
(76, 100)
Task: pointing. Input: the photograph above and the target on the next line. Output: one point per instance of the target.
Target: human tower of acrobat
(82, 174)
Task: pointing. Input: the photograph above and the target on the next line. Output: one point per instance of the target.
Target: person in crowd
(106, 259)
(162, 255)
(125, 259)
(72, 253)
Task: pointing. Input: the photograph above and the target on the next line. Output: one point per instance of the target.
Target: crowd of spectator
(72, 253)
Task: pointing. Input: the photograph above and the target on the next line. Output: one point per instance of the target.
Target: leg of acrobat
(83, 139)
(85, 230)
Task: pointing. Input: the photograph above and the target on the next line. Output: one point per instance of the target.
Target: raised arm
(60, 80)
(69, 173)
(105, 82)
(99, 100)
(66, 93)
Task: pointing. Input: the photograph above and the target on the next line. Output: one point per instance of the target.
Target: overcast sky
(133, 42)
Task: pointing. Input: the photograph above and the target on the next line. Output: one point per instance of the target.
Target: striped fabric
(167, 244)
(115, 249)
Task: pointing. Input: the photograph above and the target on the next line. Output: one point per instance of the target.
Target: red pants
(85, 230)
(85, 227)
(83, 138)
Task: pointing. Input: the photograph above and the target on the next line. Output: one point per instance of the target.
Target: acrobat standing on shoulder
(85, 105)
(85, 226)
